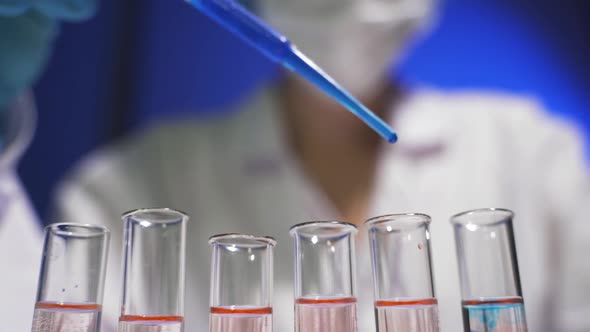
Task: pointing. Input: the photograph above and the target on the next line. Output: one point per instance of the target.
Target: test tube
(402, 273)
(153, 276)
(241, 283)
(488, 270)
(325, 285)
(71, 281)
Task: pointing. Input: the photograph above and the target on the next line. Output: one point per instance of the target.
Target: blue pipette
(277, 47)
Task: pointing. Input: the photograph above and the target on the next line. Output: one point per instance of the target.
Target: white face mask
(354, 41)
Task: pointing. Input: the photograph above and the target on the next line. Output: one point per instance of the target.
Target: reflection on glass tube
(71, 282)
(402, 273)
(241, 283)
(325, 290)
(153, 280)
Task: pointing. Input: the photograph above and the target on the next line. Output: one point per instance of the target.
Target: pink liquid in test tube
(230, 319)
(325, 315)
(407, 315)
(66, 317)
(129, 323)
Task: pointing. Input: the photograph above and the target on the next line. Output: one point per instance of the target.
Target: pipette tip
(392, 138)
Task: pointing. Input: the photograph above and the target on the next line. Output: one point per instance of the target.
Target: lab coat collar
(267, 159)
(267, 162)
(424, 131)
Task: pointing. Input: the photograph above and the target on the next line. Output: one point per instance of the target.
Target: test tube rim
(460, 220)
(425, 220)
(97, 230)
(266, 240)
(330, 223)
(183, 216)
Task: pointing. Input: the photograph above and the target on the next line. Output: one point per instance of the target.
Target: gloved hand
(24, 47)
(27, 30)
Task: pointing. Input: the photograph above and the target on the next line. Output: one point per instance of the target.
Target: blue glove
(24, 48)
(73, 10)
(14, 7)
(27, 31)
(68, 10)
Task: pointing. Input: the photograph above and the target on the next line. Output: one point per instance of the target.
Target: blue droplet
(63, 290)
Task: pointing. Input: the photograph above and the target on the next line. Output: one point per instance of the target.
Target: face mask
(354, 41)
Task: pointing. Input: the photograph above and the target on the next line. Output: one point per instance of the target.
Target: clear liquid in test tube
(71, 281)
(241, 283)
(402, 273)
(325, 281)
(153, 281)
(488, 270)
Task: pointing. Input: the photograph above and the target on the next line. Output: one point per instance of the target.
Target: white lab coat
(457, 151)
(20, 255)
(20, 231)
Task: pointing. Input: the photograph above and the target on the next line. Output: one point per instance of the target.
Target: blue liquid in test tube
(277, 47)
(494, 314)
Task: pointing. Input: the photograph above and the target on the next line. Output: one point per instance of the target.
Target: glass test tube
(71, 280)
(488, 270)
(241, 283)
(325, 284)
(402, 273)
(153, 280)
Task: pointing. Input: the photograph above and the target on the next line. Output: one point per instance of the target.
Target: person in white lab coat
(27, 31)
(292, 155)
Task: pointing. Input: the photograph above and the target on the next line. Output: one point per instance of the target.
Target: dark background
(140, 60)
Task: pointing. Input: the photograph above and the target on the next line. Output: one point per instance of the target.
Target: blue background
(140, 60)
